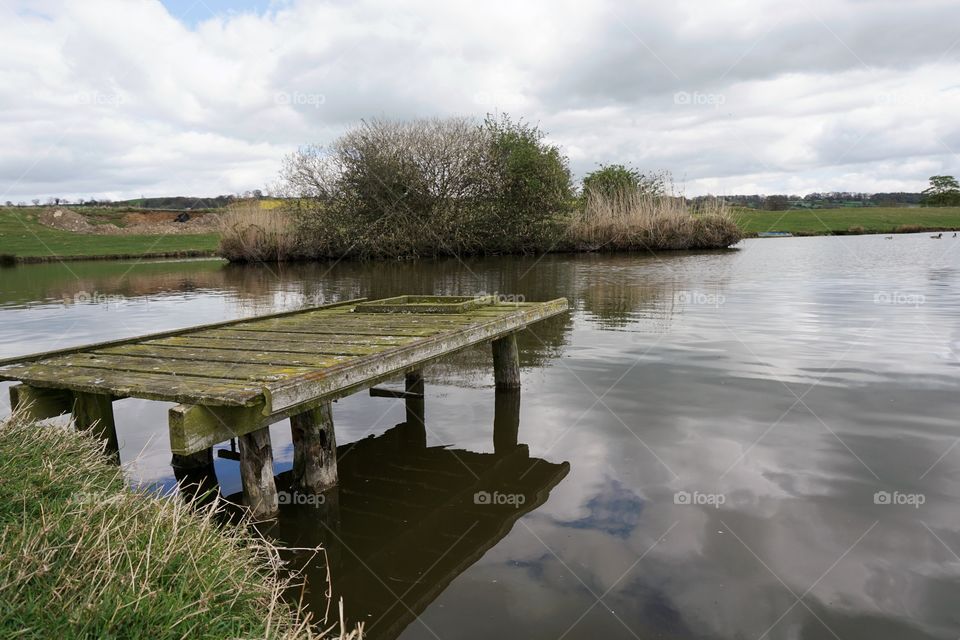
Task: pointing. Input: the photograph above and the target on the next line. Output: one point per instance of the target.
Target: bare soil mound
(134, 223)
(65, 220)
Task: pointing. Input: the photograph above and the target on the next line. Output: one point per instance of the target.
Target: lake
(759, 442)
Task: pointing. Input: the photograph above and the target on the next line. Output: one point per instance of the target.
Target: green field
(831, 221)
(22, 236)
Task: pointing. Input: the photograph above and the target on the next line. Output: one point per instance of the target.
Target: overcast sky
(138, 97)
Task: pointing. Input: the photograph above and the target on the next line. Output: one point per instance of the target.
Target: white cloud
(117, 98)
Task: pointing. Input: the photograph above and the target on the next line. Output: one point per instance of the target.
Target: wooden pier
(234, 379)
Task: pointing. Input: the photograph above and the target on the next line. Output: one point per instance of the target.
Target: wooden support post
(94, 412)
(506, 420)
(38, 403)
(506, 362)
(314, 450)
(414, 433)
(196, 474)
(256, 472)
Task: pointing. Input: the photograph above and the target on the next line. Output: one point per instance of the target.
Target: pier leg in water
(314, 450)
(94, 412)
(414, 434)
(256, 472)
(506, 362)
(506, 420)
(38, 403)
(196, 474)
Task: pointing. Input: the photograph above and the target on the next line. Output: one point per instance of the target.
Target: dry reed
(249, 233)
(630, 220)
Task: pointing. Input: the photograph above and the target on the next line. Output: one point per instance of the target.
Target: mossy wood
(233, 378)
(425, 304)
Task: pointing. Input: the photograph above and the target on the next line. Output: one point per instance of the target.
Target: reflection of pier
(407, 519)
(234, 379)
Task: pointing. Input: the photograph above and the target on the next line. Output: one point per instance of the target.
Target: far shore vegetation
(456, 186)
(83, 556)
(424, 188)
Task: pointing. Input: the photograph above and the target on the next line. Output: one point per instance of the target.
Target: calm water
(746, 444)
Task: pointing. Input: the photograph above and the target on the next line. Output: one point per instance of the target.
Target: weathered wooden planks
(365, 371)
(34, 357)
(124, 384)
(275, 362)
(285, 336)
(112, 363)
(307, 359)
(303, 346)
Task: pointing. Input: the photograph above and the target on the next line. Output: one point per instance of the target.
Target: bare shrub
(429, 187)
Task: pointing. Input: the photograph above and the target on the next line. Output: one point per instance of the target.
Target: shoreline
(110, 256)
(13, 260)
(848, 232)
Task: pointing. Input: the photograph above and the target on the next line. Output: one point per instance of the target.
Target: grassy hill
(849, 220)
(22, 236)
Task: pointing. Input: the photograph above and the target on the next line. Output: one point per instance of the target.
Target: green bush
(429, 187)
(531, 186)
(611, 180)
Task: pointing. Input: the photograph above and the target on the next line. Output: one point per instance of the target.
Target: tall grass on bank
(629, 220)
(82, 556)
(249, 233)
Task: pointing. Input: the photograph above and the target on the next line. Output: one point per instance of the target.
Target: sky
(118, 99)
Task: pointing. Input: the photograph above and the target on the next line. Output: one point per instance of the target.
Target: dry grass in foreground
(630, 220)
(82, 556)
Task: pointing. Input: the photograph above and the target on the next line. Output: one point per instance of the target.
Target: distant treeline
(167, 202)
(830, 200)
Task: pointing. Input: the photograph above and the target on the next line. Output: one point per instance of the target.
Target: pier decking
(234, 379)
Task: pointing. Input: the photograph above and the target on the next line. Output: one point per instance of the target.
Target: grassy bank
(29, 241)
(82, 556)
(840, 221)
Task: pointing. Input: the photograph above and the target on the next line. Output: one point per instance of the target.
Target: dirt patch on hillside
(65, 220)
(133, 223)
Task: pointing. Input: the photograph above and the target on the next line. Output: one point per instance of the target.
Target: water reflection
(797, 377)
(407, 519)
